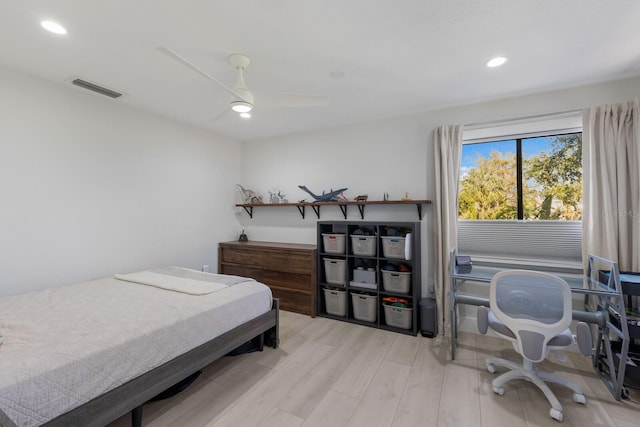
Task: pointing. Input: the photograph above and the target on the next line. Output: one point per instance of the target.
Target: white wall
(90, 187)
(393, 156)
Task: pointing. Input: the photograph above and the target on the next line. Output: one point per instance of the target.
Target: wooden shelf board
(346, 202)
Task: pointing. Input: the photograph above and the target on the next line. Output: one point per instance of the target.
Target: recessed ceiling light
(245, 115)
(53, 27)
(497, 61)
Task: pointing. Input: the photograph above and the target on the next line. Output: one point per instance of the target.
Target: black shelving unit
(630, 282)
(388, 244)
(616, 354)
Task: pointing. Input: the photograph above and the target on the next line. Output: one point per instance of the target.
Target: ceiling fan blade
(182, 60)
(288, 100)
(220, 115)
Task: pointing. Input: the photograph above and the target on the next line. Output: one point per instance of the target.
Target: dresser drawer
(242, 256)
(292, 262)
(292, 301)
(300, 282)
(240, 270)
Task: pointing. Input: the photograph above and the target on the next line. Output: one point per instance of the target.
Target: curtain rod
(516, 119)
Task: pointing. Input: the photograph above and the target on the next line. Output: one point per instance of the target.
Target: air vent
(95, 88)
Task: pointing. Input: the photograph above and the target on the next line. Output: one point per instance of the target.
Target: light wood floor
(331, 373)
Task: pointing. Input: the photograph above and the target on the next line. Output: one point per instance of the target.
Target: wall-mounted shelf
(248, 207)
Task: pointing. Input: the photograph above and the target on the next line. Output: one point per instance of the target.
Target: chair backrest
(535, 306)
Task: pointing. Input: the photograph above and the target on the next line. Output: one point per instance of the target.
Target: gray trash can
(428, 317)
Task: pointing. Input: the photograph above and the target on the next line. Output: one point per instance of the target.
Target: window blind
(567, 122)
(557, 242)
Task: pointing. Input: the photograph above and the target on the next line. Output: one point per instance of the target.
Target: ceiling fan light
(241, 106)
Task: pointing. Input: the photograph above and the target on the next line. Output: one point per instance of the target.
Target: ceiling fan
(242, 99)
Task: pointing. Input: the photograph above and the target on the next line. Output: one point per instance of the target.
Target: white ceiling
(391, 57)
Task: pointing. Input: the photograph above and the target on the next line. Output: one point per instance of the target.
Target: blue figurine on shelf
(331, 196)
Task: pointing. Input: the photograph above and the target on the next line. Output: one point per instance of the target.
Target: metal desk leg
(453, 318)
(454, 329)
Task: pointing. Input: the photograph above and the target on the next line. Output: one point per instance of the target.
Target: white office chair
(533, 310)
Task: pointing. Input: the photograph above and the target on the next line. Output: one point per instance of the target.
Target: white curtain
(447, 155)
(611, 183)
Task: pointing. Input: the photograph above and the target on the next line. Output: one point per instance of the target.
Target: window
(532, 178)
(520, 191)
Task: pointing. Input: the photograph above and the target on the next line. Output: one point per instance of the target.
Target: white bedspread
(65, 346)
(172, 283)
(183, 280)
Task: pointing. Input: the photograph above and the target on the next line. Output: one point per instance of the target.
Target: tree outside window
(537, 178)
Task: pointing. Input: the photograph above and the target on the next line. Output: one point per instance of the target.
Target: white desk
(608, 301)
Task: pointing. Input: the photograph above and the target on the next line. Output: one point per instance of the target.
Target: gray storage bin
(333, 243)
(398, 317)
(363, 245)
(396, 281)
(364, 306)
(335, 271)
(335, 302)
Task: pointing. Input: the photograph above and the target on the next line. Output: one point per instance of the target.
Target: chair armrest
(584, 338)
(483, 319)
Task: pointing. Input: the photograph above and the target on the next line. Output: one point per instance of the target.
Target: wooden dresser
(289, 269)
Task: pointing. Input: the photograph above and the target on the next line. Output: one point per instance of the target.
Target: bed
(86, 354)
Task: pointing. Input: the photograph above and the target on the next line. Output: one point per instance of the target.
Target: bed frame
(130, 396)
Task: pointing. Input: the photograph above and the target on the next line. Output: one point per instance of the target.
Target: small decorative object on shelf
(331, 196)
(361, 198)
(250, 196)
(406, 197)
(385, 197)
(276, 197)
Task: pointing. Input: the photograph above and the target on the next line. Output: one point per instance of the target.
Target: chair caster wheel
(499, 391)
(556, 415)
(624, 393)
(579, 398)
(491, 368)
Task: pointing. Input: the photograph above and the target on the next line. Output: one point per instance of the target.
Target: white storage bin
(364, 307)
(334, 271)
(398, 317)
(363, 245)
(396, 281)
(335, 302)
(393, 247)
(333, 243)
(364, 276)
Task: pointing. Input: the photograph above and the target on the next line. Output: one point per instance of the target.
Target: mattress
(65, 346)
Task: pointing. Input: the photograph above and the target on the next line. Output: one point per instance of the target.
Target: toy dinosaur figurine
(331, 196)
(250, 196)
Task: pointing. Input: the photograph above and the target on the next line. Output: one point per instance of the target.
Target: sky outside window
(530, 147)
